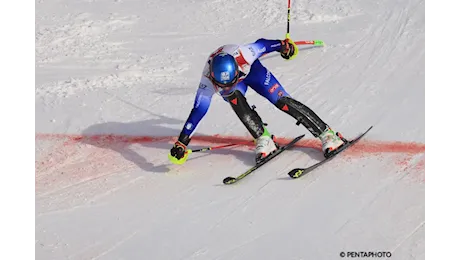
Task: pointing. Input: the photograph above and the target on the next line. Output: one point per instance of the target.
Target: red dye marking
(364, 146)
(404, 161)
(412, 161)
(66, 164)
(420, 168)
(420, 165)
(412, 165)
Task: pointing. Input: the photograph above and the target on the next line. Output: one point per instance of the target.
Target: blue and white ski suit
(252, 74)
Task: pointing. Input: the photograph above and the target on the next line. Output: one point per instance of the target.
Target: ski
(232, 180)
(299, 172)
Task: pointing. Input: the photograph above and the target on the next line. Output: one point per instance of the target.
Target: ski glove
(288, 49)
(178, 150)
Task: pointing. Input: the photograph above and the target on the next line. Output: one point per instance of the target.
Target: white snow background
(128, 69)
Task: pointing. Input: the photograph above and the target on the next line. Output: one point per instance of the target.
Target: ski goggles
(226, 86)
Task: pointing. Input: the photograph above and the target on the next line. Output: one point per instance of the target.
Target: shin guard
(246, 114)
(302, 114)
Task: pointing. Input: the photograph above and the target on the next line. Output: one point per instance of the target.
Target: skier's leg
(265, 83)
(245, 113)
(252, 121)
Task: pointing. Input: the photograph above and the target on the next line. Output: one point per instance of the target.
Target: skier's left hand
(288, 49)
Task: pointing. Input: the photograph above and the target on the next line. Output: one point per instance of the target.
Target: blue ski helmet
(224, 70)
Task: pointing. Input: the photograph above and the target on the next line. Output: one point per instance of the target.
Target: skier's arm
(200, 108)
(253, 51)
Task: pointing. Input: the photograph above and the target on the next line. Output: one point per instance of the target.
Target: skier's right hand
(178, 150)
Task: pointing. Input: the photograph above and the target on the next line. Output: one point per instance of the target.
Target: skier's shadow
(120, 137)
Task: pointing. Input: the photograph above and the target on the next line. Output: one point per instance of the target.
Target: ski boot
(331, 141)
(264, 146)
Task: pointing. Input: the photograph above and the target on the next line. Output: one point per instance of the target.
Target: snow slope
(131, 68)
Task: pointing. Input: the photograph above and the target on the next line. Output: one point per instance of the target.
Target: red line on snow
(63, 163)
(364, 146)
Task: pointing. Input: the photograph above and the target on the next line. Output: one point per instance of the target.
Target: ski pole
(211, 148)
(288, 36)
(288, 18)
(217, 147)
(312, 42)
(190, 151)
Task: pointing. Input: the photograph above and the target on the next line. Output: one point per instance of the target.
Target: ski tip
(369, 129)
(299, 137)
(295, 173)
(229, 180)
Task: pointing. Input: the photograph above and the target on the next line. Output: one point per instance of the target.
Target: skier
(229, 71)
